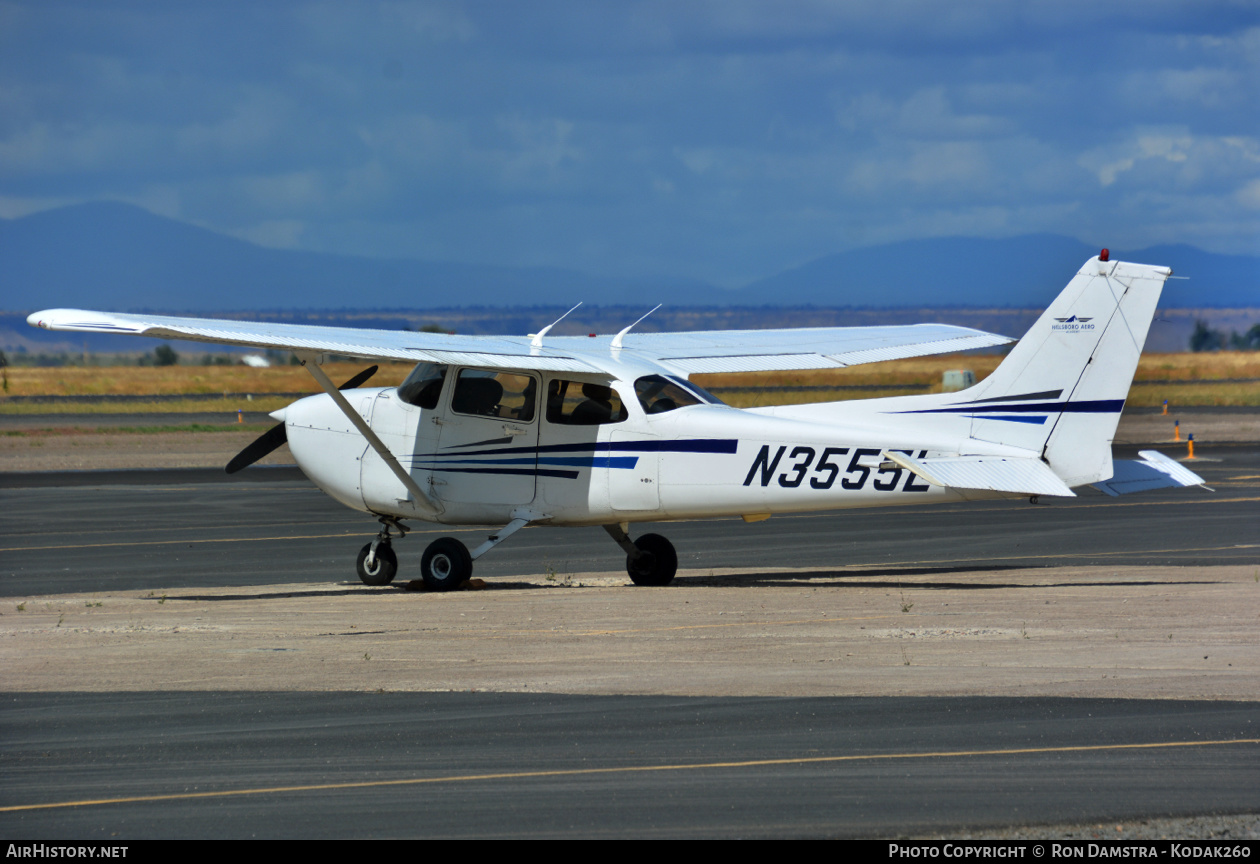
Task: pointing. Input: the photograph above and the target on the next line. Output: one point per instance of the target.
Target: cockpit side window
(574, 403)
(658, 394)
(423, 386)
(488, 393)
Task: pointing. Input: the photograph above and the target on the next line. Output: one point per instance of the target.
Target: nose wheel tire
(384, 565)
(657, 562)
(446, 565)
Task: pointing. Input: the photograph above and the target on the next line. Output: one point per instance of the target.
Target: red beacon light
(1104, 255)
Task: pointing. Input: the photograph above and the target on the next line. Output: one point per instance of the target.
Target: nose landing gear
(383, 565)
(377, 564)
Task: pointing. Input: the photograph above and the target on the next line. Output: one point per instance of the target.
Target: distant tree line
(1204, 338)
(162, 355)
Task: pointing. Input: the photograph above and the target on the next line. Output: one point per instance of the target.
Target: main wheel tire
(446, 564)
(384, 565)
(656, 565)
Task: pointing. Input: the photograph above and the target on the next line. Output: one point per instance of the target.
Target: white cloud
(252, 126)
(699, 160)
(929, 113)
(283, 193)
(1109, 163)
(1249, 195)
(16, 208)
(274, 234)
(537, 145)
(438, 22)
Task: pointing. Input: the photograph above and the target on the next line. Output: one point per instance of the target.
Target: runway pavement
(343, 765)
(908, 671)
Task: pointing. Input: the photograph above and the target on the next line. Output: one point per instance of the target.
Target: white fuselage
(697, 461)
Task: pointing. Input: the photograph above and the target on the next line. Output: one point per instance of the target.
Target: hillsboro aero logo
(1073, 324)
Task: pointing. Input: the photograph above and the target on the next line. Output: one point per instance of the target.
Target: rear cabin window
(487, 393)
(574, 403)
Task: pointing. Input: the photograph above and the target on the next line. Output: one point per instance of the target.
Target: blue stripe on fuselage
(695, 445)
(1096, 406)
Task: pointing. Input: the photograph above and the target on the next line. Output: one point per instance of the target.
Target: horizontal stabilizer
(991, 473)
(1153, 471)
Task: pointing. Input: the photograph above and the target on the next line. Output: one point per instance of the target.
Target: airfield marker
(240, 417)
(1165, 406)
(1176, 430)
(1190, 444)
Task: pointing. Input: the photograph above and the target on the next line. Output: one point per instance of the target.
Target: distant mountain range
(1024, 272)
(117, 256)
(108, 255)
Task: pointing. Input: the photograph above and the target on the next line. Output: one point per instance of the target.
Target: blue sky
(722, 141)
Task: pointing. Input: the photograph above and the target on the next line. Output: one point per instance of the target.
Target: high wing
(688, 353)
(495, 352)
(683, 353)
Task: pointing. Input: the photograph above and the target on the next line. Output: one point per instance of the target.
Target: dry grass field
(1198, 379)
(1182, 379)
(182, 380)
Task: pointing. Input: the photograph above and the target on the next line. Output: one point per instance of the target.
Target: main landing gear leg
(377, 564)
(447, 563)
(650, 560)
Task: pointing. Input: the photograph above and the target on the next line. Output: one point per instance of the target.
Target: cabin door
(487, 446)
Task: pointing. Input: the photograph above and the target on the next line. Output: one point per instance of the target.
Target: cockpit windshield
(660, 393)
(423, 386)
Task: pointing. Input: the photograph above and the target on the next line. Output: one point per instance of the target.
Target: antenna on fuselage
(616, 343)
(536, 341)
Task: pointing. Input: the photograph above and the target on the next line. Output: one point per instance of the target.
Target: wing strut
(421, 499)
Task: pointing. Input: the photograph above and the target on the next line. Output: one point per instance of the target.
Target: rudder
(1061, 389)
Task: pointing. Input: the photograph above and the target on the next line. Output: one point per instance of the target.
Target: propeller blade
(276, 435)
(360, 378)
(268, 441)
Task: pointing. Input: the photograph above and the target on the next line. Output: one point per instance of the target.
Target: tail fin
(1061, 389)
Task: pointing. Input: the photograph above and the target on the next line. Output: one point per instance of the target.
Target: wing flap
(690, 353)
(990, 473)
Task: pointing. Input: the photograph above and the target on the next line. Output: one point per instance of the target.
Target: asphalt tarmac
(485, 765)
(154, 758)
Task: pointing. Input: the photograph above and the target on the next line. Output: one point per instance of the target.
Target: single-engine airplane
(608, 430)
